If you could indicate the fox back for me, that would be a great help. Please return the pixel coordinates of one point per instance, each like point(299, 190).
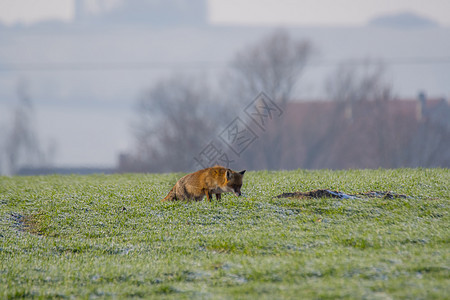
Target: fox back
point(215, 180)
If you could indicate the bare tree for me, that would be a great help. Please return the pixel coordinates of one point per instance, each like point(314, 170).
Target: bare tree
point(179, 116)
point(22, 144)
point(355, 83)
point(431, 141)
point(175, 118)
point(361, 132)
point(369, 128)
point(272, 65)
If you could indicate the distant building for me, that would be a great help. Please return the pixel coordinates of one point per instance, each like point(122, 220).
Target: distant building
point(80, 11)
point(369, 134)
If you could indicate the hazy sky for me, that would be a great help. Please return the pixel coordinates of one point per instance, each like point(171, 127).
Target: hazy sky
point(29, 11)
point(302, 12)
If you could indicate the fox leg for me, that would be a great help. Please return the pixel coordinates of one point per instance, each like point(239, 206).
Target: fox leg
point(218, 196)
point(208, 196)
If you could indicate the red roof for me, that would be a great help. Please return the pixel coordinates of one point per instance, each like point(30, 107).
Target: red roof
point(362, 135)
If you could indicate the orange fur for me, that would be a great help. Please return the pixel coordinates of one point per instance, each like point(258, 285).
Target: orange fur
point(215, 180)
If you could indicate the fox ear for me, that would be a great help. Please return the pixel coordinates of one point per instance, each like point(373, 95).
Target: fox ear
point(228, 174)
point(242, 172)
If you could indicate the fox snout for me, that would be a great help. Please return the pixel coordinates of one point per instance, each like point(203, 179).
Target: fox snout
point(236, 191)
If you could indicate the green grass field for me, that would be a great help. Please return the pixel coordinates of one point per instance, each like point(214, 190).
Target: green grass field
point(111, 237)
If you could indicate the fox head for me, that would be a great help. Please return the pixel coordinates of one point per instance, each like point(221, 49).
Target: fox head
point(234, 181)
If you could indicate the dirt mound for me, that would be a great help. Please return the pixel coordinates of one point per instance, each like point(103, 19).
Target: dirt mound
point(24, 223)
point(340, 195)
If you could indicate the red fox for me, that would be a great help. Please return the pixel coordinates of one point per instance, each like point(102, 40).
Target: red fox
point(206, 182)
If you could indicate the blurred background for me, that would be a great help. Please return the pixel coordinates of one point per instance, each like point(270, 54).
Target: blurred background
point(103, 86)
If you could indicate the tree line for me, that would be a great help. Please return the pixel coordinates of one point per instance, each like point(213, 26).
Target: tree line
point(181, 118)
